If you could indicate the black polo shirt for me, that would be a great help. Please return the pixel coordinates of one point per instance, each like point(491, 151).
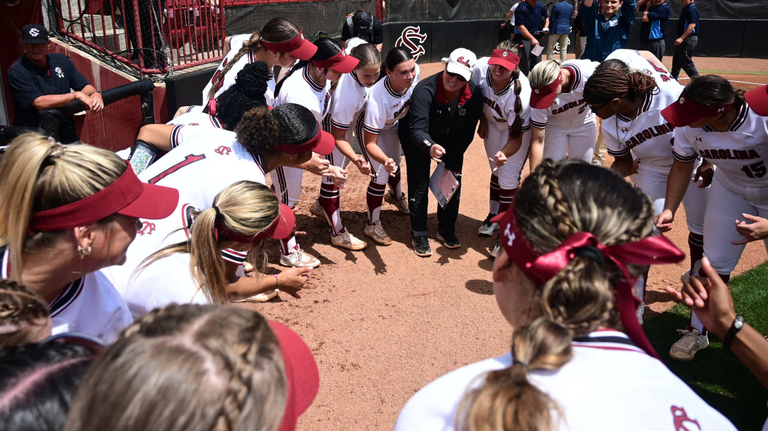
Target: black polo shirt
point(375, 33)
point(29, 81)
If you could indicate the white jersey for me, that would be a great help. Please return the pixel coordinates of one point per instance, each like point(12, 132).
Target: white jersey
point(608, 385)
point(301, 89)
point(349, 99)
point(740, 154)
point(190, 125)
point(648, 136)
point(385, 107)
point(235, 43)
point(499, 107)
point(200, 170)
point(89, 305)
point(569, 108)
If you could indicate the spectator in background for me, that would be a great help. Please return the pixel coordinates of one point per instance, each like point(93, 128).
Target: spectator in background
point(687, 38)
point(579, 37)
point(608, 31)
point(511, 17)
point(40, 80)
point(531, 23)
point(654, 26)
point(560, 20)
point(362, 24)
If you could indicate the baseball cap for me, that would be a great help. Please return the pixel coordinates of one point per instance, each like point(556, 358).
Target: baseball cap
point(34, 34)
point(298, 47)
point(758, 100)
point(363, 21)
point(302, 376)
point(280, 228)
point(685, 111)
point(127, 195)
point(542, 97)
point(461, 62)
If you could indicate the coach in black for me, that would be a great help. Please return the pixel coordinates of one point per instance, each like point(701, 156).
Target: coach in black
point(687, 38)
point(362, 24)
point(40, 80)
point(440, 124)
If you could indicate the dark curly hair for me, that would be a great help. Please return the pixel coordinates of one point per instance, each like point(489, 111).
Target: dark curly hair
point(290, 124)
point(246, 93)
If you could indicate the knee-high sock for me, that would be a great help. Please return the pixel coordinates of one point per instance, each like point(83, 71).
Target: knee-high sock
point(288, 244)
point(394, 184)
point(329, 201)
point(505, 198)
point(494, 207)
point(374, 196)
point(696, 248)
point(695, 323)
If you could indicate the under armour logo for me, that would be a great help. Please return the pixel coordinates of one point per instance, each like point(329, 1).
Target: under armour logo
point(682, 100)
point(223, 150)
point(698, 139)
point(537, 91)
point(463, 61)
point(193, 124)
point(681, 417)
point(147, 228)
point(721, 109)
point(59, 72)
point(510, 236)
point(624, 130)
point(34, 32)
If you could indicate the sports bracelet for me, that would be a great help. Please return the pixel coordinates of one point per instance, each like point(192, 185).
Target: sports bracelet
point(275, 280)
point(738, 323)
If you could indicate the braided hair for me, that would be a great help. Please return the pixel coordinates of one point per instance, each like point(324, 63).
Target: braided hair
point(608, 84)
point(247, 93)
point(22, 315)
point(516, 129)
point(186, 368)
point(556, 201)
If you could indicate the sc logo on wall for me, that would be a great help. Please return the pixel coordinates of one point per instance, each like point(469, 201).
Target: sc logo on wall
point(412, 38)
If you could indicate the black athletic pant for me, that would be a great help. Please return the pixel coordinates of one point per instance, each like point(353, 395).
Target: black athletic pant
point(682, 57)
point(419, 165)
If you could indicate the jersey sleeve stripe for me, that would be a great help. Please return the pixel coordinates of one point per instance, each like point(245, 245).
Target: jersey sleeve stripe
point(684, 159)
point(538, 125)
point(619, 153)
point(175, 135)
point(338, 125)
point(372, 130)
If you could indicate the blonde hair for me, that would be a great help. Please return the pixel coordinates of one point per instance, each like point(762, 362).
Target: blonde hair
point(516, 129)
point(22, 313)
point(186, 367)
point(246, 208)
point(38, 174)
point(556, 201)
point(544, 73)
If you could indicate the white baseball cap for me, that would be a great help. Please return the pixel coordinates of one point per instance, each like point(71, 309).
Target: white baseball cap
point(461, 62)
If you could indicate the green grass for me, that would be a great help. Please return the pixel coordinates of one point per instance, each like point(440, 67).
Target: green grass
point(716, 374)
point(733, 72)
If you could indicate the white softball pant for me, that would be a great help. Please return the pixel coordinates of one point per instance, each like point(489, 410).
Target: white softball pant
point(719, 223)
point(390, 145)
point(574, 141)
point(509, 174)
point(695, 200)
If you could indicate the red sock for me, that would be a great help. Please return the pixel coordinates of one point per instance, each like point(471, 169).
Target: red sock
point(374, 196)
point(329, 201)
point(505, 198)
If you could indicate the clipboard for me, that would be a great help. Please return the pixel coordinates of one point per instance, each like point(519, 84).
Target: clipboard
point(443, 184)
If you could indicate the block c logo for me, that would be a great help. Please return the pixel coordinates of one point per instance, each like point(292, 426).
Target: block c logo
point(412, 38)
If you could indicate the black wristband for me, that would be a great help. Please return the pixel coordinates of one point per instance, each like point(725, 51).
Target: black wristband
point(738, 323)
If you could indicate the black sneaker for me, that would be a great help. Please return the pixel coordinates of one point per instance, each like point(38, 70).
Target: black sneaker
point(421, 246)
point(449, 240)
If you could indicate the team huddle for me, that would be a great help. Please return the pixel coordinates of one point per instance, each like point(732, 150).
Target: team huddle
point(279, 105)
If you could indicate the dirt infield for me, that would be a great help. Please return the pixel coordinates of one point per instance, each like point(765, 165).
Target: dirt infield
point(383, 322)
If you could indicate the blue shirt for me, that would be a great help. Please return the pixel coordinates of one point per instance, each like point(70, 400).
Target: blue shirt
point(29, 81)
point(560, 20)
point(530, 16)
point(606, 35)
point(689, 15)
point(656, 26)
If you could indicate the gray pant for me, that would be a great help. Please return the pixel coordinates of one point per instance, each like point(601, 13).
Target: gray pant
point(682, 57)
point(657, 47)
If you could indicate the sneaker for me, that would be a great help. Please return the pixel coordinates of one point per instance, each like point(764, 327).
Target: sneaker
point(377, 233)
point(421, 246)
point(487, 228)
point(401, 204)
point(640, 311)
point(496, 249)
point(297, 258)
point(686, 347)
point(449, 240)
point(317, 210)
point(597, 162)
point(348, 241)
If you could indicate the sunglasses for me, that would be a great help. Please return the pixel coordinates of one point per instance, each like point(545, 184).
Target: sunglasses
point(596, 108)
point(456, 75)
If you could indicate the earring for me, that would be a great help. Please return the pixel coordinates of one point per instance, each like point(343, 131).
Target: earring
point(84, 251)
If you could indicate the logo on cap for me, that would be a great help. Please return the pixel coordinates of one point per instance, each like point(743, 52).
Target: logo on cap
point(682, 100)
point(463, 61)
point(721, 109)
point(509, 235)
point(34, 32)
point(504, 54)
point(537, 91)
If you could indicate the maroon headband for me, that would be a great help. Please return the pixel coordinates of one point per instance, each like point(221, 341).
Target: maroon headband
point(540, 268)
point(116, 196)
point(291, 45)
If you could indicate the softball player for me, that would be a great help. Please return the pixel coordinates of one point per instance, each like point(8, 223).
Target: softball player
point(505, 127)
point(388, 103)
point(729, 129)
point(279, 43)
point(308, 84)
point(630, 103)
point(551, 285)
point(347, 105)
point(557, 104)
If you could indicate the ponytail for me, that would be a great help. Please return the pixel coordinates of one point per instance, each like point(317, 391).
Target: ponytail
point(252, 45)
point(516, 129)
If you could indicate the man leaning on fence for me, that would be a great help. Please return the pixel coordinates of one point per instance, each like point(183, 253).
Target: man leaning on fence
point(40, 80)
